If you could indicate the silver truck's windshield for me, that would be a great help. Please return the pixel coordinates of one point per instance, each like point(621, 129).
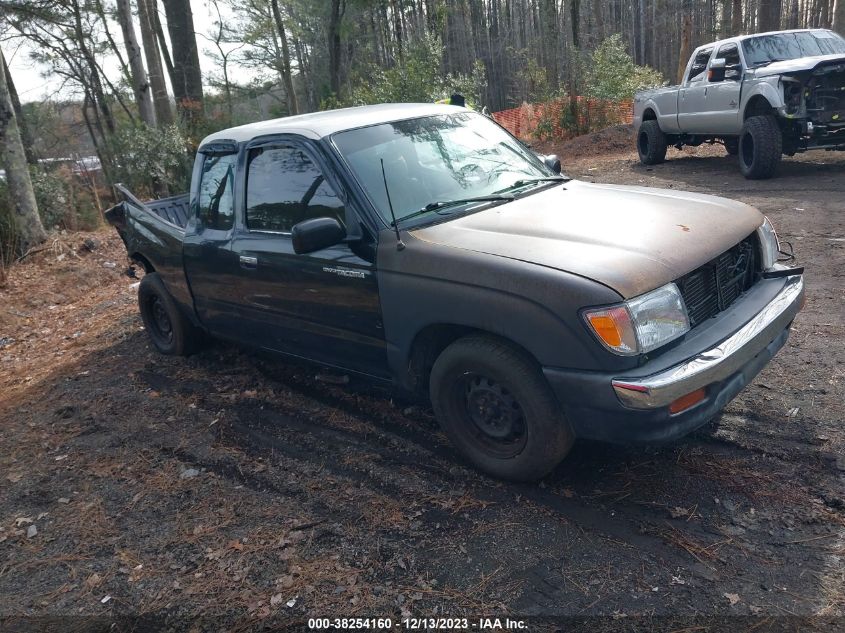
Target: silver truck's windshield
point(437, 158)
point(766, 49)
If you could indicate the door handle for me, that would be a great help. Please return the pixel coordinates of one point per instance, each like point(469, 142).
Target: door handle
point(248, 262)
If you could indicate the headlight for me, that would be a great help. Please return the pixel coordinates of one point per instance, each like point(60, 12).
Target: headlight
point(769, 244)
point(641, 324)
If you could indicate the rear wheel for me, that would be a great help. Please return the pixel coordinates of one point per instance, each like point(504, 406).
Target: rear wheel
point(497, 409)
point(732, 145)
point(760, 147)
point(169, 330)
point(651, 143)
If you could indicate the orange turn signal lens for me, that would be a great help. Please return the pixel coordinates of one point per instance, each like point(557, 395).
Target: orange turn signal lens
point(613, 326)
point(685, 402)
point(606, 328)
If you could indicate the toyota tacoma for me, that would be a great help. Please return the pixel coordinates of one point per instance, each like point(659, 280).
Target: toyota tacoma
point(426, 247)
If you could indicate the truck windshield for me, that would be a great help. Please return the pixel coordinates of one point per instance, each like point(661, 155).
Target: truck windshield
point(766, 49)
point(437, 158)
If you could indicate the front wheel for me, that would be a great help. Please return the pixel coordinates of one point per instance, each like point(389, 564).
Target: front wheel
point(760, 147)
point(651, 143)
point(497, 409)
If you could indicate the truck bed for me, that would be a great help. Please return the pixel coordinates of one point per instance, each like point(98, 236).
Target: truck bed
point(153, 233)
point(173, 210)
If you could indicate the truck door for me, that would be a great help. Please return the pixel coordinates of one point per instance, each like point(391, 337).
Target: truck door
point(207, 257)
point(692, 95)
point(324, 305)
point(723, 91)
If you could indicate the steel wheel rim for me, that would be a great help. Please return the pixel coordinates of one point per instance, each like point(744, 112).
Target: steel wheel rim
point(490, 415)
point(161, 324)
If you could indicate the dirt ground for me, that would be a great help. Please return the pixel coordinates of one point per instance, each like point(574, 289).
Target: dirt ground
point(228, 491)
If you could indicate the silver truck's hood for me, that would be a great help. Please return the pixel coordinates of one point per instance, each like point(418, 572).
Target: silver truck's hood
point(797, 65)
point(632, 239)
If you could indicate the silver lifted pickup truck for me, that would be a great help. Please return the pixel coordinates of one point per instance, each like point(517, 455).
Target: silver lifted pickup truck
point(762, 96)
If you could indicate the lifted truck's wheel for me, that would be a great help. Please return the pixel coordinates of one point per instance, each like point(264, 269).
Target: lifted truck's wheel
point(732, 145)
point(651, 143)
point(494, 404)
point(169, 330)
point(760, 147)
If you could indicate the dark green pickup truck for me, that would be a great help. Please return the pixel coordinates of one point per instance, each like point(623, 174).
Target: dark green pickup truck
point(424, 246)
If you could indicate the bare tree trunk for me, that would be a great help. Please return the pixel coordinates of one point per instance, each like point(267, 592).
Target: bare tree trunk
point(839, 17)
point(140, 85)
point(686, 48)
point(293, 104)
point(152, 53)
point(736, 18)
point(769, 15)
point(187, 87)
point(30, 231)
point(26, 136)
point(338, 8)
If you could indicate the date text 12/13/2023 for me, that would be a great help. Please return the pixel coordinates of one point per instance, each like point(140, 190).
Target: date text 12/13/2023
point(417, 624)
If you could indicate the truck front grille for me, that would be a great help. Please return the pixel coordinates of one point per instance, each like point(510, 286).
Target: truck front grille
point(710, 289)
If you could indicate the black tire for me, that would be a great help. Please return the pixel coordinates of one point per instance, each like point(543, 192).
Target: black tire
point(497, 409)
point(651, 143)
point(760, 147)
point(732, 145)
point(169, 330)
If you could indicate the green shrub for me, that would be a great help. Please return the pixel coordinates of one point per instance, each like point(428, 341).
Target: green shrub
point(613, 75)
point(150, 160)
point(417, 79)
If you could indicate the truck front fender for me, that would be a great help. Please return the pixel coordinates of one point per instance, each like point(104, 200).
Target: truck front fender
point(426, 287)
point(761, 97)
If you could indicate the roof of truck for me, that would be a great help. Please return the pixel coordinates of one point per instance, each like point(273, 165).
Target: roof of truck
point(320, 124)
point(740, 38)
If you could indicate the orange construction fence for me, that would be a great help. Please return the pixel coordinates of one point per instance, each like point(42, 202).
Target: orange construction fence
point(562, 119)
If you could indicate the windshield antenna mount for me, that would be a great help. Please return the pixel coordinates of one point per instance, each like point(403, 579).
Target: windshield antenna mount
point(400, 245)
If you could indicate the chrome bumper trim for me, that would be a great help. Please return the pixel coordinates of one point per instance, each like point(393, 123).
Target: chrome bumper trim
point(659, 390)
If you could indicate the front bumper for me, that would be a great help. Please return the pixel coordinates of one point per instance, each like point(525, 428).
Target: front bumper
point(634, 406)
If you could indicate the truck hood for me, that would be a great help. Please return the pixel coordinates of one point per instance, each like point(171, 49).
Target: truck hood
point(631, 239)
point(798, 65)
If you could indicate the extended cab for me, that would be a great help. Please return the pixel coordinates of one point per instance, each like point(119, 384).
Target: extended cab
point(761, 95)
point(424, 246)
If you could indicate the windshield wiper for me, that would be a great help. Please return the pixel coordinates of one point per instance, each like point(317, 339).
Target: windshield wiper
point(442, 204)
point(531, 181)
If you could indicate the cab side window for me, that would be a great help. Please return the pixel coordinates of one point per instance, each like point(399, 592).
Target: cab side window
point(733, 64)
point(699, 64)
point(216, 196)
point(285, 187)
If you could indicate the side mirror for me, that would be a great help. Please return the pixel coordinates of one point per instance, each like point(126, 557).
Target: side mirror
point(316, 234)
point(552, 162)
point(717, 70)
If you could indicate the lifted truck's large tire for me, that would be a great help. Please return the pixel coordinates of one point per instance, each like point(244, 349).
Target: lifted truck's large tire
point(497, 409)
point(760, 147)
point(651, 143)
point(732, 145)
point(169, 330)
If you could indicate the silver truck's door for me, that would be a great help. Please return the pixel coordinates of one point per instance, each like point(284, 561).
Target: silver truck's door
point(724, 85)
point(692, 95)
